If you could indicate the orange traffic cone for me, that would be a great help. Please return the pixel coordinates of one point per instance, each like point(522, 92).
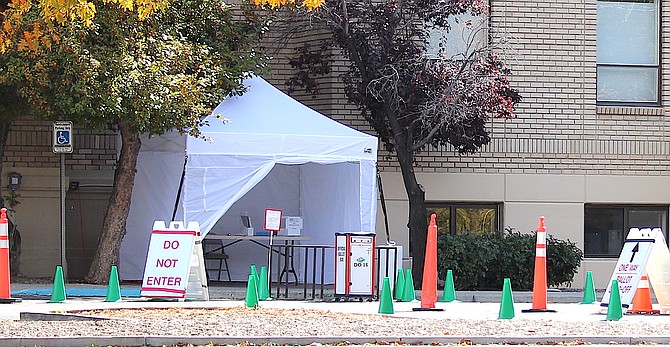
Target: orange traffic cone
point(429, 283)
point(642, 298)
point(5, 291)
point(540, 276)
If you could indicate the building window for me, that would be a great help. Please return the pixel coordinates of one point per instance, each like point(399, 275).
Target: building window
point(472, 217)
point(627, 52)
point(466, 34)
point(606, 226)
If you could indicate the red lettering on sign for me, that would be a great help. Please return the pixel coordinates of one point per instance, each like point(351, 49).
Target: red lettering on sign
point(166, 262)
point(167, 244)
point(623, 267)
point(163, 281)
point(633, 267)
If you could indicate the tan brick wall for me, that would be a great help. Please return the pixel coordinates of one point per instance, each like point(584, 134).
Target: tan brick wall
point(29, 144)
point(559, 128)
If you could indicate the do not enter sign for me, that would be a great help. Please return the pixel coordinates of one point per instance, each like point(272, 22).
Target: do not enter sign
point(168, 261)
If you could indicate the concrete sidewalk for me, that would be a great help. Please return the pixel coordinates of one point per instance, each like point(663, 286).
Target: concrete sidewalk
point(470, 305)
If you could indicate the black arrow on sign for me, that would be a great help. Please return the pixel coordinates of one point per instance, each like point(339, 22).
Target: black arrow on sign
point(635, 250)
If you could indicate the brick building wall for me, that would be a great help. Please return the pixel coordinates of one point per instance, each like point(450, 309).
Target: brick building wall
point(558, 128)
point(29, 144)
point(551, 49)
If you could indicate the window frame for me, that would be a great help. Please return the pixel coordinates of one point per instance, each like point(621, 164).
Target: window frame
point(485, 34)
point(496, 206)
point(626, 208)
point(657, 66)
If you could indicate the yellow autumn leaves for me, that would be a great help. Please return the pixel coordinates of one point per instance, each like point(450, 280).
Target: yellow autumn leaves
point(309, 4)
point(58, 12)
point(62, 11)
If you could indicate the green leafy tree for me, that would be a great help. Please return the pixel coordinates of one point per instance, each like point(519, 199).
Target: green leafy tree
point(134, 73)
point(414, 100)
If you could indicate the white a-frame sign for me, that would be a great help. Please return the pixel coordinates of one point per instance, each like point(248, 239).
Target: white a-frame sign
point(644, 251)
point(175, 265)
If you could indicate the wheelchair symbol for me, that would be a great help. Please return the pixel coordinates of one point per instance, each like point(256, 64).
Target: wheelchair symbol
point(62, 137)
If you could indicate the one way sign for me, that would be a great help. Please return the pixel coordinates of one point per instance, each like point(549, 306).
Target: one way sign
point(632, 264)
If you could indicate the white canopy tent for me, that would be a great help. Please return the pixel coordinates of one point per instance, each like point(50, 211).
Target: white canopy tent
point(274, 153)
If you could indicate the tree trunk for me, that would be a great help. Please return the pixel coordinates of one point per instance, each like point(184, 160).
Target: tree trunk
point(114, 224)
point(417, 223)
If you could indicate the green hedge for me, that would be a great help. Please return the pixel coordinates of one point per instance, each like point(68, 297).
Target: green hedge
point(482, 261)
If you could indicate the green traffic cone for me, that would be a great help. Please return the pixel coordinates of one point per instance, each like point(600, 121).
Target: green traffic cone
point(58, 291)
point(408, 292)
point(113, 289)
point(254, 272)
point(251, 298)
point(449, 293)
point(614, 311)
point(386, 301)
point(589, 290)
point(263, 288)
point(507, 301)
point(399, 284)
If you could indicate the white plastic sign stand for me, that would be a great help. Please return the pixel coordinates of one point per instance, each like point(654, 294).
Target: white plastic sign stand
point(273, 225)
point(197, 276)
point(644, 251)
point(175, 266)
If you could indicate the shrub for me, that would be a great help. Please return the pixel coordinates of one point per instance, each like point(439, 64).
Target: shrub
point(482, 261)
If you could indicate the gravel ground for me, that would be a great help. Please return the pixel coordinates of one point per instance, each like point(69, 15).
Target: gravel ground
point(240, 321)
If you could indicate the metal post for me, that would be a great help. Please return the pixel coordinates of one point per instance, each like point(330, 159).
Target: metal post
point(62, 215)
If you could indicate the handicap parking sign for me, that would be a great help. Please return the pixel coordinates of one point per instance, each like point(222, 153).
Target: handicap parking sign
point(62, 137)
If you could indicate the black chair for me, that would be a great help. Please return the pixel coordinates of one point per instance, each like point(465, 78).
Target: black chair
point(213, 250)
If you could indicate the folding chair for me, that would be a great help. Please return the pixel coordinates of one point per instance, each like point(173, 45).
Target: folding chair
point(213, 250)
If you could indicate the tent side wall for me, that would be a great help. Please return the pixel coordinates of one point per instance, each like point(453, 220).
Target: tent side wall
point(154, 195)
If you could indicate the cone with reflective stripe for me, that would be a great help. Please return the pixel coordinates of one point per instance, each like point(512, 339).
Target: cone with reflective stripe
point(5, 290)
point(540, 276)
point(449, 293)
point(589, 290)
point(614, 310)
point(429, 281)
point(385, 300)
point(642, 299)
point(399, 284)
point(58, 289)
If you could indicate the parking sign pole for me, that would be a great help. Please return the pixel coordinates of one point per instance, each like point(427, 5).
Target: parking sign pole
point(63, 259)
point(62, 144)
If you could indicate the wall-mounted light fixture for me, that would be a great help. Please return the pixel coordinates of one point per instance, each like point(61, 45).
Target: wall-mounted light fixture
point(14, 180)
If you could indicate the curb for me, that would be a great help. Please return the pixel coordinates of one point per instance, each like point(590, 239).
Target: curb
point(307, 340)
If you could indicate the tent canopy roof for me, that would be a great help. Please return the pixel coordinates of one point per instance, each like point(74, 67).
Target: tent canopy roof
point(266, 122)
